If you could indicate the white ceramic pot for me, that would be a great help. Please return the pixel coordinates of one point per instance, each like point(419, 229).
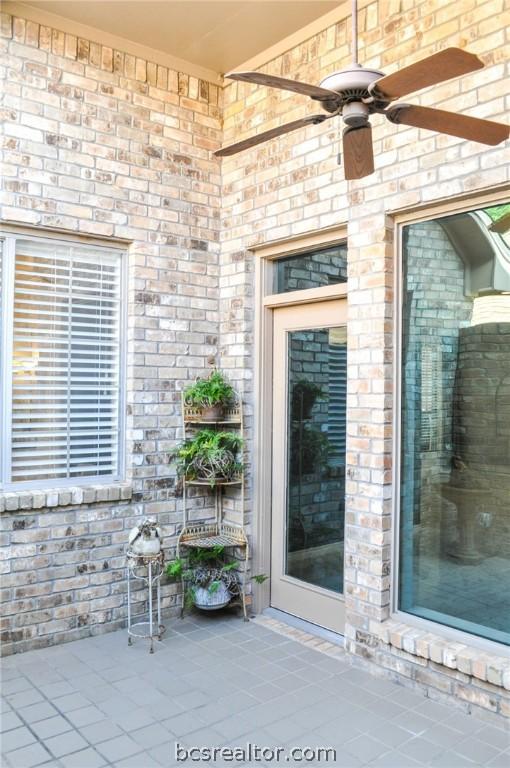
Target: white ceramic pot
point(211, 601)
point(145, 538)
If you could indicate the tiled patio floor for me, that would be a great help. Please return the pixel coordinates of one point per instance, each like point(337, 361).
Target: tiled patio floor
point(211, 681)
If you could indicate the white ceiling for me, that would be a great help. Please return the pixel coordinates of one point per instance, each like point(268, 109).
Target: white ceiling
point(216, 34)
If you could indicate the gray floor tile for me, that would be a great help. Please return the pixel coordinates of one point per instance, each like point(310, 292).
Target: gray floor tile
point(35, 712)
point(100, 731)
point(85, 758)
point(70, 702)
point(143, 760)
point(266, 691)
point(233, 727)
point(15, 685)
point(8, 721)
point(136, 718)
point(495, 737)
point(412, 722)
point(30, 756)
point(451, 759)
point(119, 748)
point(218, 682)
point(151, 735)
point(51, 727)
point(365, 748)
point(390, 734)
point(464, 723)
point(17, 738)
point(24, 698)
point(476, 750)
point(65, 743)
point(85, 716)
point(165, 754)
point(53, 690)
point(443, 735)
point(394, 759)
point(421, 749)
point(500, 761)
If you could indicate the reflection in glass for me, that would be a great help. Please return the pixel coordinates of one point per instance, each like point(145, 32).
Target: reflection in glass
point(455, 478)
point(313, 269)
point(316, 456)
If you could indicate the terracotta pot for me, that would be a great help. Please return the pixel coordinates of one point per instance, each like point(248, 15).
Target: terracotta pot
point(212, 413)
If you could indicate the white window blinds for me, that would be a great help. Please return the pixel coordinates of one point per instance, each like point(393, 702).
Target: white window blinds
point(65, 363)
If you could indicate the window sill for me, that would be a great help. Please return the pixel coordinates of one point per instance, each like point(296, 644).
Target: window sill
point(417, 641)
point(14, 501)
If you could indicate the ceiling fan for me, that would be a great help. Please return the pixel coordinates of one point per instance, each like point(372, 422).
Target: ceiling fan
point(357, 92)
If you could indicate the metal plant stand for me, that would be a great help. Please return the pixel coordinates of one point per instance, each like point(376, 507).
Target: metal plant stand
point(221, 532)
point(147, 569)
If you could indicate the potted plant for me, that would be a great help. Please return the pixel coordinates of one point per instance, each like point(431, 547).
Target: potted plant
point(304, 395)
point(211, 581)
point(209, 456)
point(210, 395)
point(309, 450)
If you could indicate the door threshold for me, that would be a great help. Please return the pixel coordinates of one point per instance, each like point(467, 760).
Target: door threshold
point(305, 626)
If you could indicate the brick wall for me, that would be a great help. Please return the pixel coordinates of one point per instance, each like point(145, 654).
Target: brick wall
point(98, 142)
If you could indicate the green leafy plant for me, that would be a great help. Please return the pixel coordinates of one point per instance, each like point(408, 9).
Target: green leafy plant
point(211, 391)
point(207, 568)
point(304, 396)
point(309, 450)
point(210, 455)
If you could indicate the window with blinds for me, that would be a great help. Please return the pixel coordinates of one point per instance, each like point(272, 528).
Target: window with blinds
point(62, 362)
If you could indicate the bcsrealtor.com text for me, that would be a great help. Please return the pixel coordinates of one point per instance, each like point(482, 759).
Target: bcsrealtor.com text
point(254, 753)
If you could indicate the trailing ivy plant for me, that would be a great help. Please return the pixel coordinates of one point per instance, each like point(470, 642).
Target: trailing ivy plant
point(213, 390)
point(210, 455)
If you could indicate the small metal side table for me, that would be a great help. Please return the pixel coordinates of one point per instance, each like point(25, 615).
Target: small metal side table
point(148, 569)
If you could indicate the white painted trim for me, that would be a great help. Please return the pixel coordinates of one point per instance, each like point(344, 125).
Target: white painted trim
point(288, 246)
point(448, 206)
point(62, 235)
point(307, 296)
point(71, 27)
point(262, 440)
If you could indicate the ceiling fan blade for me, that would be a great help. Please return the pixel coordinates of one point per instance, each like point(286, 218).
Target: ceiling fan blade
point(501, 225)
point(441, 66)
point(271, 134)
point(272, 81)
point(358, 152)
point(462, 126)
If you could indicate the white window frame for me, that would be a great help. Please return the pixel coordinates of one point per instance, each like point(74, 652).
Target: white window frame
point(8, 239)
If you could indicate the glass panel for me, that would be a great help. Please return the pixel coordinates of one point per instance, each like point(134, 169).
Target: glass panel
point(455, 478)
point(316, 456)
point(311, 270)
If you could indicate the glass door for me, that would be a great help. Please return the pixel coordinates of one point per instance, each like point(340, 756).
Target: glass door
point(309, 431)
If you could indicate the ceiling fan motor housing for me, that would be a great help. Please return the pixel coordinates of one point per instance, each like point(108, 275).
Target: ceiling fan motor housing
point(351, 84)
point(355, 114)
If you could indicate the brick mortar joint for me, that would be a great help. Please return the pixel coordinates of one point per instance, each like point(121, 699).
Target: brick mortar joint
point(456, 656)
point(26, 500)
